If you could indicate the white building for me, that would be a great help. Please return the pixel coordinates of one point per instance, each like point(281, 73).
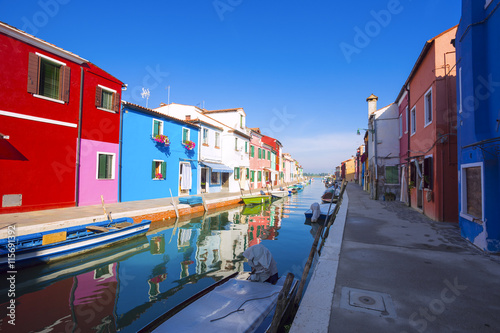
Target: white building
point(383, 148)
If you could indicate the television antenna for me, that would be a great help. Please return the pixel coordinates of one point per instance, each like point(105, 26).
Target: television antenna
point(145, 94)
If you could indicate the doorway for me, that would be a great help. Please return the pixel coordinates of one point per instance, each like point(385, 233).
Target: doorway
point(203, 180)
point(225, 181)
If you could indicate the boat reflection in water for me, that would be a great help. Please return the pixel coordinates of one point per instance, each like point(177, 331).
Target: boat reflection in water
point(126, 286)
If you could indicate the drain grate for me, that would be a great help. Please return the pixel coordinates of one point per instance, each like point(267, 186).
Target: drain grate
point(376, 303)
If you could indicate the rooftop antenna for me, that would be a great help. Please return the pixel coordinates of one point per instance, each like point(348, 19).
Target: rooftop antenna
point(145, 94)
point(168, 94)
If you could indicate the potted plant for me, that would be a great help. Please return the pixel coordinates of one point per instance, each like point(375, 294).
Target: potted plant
point(189, 145)
point(162, 140)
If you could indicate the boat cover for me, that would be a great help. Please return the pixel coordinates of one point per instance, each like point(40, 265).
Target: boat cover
point(262, 262)
point(220, 302)
point(316, 212)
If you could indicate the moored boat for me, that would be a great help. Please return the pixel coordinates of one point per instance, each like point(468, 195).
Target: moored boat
point(233, 304)
point(255, 199)
point(279, 193)
point(60, 243)
point(325, 211)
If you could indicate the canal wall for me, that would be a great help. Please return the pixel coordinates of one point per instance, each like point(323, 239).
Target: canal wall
point(314, 311)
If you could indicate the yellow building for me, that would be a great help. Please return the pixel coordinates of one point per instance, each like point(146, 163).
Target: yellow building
point(350, 169)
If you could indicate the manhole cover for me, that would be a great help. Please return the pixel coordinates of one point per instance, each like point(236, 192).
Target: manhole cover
point(367, 301)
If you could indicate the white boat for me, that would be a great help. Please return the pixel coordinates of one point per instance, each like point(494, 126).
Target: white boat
point(279, 194)
point(326, 210)
point(232, 305)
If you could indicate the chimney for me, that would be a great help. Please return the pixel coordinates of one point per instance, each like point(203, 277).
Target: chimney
point(372, 104)
point(162, 104)
point(188, 117)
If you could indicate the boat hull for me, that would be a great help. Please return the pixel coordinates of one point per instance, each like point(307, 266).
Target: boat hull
point(38, 253)
point(255, 199)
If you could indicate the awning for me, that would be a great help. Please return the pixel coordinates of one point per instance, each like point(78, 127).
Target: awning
point(217, 167)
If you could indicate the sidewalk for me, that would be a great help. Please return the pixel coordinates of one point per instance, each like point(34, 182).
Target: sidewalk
point(154, 209)
point(402, 272)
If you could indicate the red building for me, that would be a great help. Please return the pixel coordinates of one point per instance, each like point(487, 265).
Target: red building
point(276, 174)
point(57, 112)
point(427, 119)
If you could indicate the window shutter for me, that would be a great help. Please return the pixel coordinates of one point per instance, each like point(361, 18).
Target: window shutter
point(33, 65)
point(116, 102)
point(98, 96)
point(153, 170)
point(164, 169)
point(102, 166)
point(65, 83)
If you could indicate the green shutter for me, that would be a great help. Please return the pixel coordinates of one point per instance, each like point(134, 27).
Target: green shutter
point(153, 170)
point(259, 176)
point(164, 169)
point(156, 128)
point(248, 171)
point(236, 173)
point(102, 167)
point(252, 176)
point(246, 147)
point(252, 151)
point(269, 155)
point(260, 154)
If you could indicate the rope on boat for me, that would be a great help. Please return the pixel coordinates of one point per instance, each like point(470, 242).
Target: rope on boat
point(240, 309)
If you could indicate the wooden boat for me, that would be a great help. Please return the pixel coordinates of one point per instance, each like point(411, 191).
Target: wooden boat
point(219, 307)
point(279, 194)
point(329, 197)
point(256, 199)
point(326, 211)
point(56, 244)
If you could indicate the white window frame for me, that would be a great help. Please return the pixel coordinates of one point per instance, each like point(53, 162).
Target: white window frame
point(205, 138)
point(400, 126)
point(463, 194)
point(57, 62)
point(426, 108)
point(413, 123)
point(407, 115)
point(112, 168)
point(112, 91)
point(218, 178)
point(217, 140)
point(161, 161)
point(188, 136)
point(153, 127)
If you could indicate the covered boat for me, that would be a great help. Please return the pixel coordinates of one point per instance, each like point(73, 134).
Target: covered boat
point(325, 210)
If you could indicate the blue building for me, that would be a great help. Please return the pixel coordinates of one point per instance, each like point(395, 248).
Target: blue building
point(159, 154)
point(478, 100)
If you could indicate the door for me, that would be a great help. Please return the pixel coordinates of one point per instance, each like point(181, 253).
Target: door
point(225, 181)
point(419, 186)
point(203, 180)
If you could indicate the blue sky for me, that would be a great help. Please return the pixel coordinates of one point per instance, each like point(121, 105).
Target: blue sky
point(301, 70)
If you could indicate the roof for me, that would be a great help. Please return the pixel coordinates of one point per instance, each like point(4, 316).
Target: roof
point(420, 58)
point(224, 110)
point(156, 113)
point(35, 41)
point(198, 120)
point(239, 133)
point(372, 96)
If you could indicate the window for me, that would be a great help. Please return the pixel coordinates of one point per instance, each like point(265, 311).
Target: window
point(248, 173)
point(259, 176)
point(48, 78)
point(158, 170)
point(105, 166)
point(413, 121)
point(217, 140)
point(428, 107)
point(400, 125)
point(252, 151)
point(268, 155)
point(235, 143)
point(391, 175)
point(107, 99)
point(185, 134)
point(260, 153)
point(205, 136)
point(246, 147)
point(428, 173)
point(407, 116)
point(241, 121)
point(214, 178)
point(252, 176)
point(236, 173)
point(472, 191)
point(157, 127)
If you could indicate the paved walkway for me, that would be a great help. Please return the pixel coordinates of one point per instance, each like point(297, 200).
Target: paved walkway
point(42, 220)
point(395, 270)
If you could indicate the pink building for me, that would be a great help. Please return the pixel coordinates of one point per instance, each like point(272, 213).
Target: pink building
point(427, 118)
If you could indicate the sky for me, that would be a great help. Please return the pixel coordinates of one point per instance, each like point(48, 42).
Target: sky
point(302, 70)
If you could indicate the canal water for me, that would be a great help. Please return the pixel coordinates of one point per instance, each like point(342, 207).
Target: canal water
point(126, 286)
